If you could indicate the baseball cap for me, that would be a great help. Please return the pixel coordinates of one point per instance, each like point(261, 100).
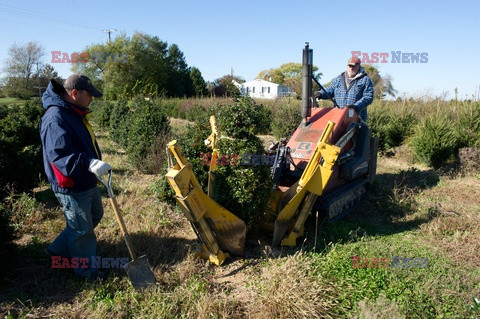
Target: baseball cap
point(81, 82)
point(353, 61)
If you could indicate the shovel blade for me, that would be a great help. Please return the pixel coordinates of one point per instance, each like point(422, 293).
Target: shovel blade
point(140, 274)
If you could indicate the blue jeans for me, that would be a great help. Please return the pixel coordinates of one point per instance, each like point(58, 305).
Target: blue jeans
point(83, 211)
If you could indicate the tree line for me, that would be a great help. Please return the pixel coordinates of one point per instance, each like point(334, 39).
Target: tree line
point(141, 64)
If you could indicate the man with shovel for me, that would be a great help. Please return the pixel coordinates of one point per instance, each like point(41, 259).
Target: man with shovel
point(72, 162)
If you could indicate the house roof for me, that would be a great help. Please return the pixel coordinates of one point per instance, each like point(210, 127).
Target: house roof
point(260, 81)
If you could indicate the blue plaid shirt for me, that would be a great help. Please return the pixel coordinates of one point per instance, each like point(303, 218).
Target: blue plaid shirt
point(360, 93)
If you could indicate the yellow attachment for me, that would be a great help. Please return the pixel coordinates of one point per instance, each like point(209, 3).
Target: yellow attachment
point(212, 138)
point(221, 232)
point(314, 179)
point(212, 143)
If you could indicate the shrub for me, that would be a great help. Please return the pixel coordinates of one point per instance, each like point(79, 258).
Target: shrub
point(193, 146)
point(195, 113)
point(242, 188)
point(21, 163)
point(390, 125)
point(161, 189)
point(286, 119)
point(171, 107)
point(468, 125)
point(434, 141)
point(101, 112)
point(244, 117)
point(120, 122)
point(147, 135)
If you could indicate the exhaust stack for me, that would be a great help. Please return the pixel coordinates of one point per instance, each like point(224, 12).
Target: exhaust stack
point(307, 87)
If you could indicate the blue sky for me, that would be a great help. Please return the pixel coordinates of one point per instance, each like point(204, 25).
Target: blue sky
point(250, 36)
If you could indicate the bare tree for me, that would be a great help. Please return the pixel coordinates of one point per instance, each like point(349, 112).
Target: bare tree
point(382, 86)
point(23, 62)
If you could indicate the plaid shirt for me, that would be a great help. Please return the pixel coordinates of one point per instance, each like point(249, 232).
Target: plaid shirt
point(360, 93)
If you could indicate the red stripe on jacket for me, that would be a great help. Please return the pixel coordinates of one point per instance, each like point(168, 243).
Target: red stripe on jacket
point(63, 181)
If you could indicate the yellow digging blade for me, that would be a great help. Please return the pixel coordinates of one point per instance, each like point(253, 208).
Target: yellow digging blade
point(304, 193)
point(221, 232)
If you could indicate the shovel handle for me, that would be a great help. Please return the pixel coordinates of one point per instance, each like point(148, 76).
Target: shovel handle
point(118, 216)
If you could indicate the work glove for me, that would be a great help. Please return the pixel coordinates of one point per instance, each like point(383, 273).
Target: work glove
point(351, 110)
point(99, 168)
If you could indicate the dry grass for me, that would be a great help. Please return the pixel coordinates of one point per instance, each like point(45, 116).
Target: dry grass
point(455, 225)
point(178, 125)
point(382, 308)
point(286, 288)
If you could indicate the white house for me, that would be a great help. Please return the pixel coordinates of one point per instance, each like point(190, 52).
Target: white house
point(264, 89)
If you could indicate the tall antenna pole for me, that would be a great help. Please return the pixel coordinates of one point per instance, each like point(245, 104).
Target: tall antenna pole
point(109, 31)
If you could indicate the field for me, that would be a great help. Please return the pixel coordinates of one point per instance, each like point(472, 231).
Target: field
point(11, 101)
point(411, 212)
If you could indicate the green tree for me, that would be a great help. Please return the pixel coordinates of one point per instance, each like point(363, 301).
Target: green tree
point(180, 83)
point(289, 74)
point(199, 85)
point(41, 80)
point(22, 63)
point(141, 64)
point(225, 86)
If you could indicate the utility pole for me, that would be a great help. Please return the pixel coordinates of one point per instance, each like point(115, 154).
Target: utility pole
point(38, 81)
point(109, 31)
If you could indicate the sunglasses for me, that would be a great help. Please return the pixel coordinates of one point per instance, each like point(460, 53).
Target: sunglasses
point(353, 65)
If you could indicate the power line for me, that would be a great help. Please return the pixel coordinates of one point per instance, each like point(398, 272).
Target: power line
point(45, 27)
point(48, 17)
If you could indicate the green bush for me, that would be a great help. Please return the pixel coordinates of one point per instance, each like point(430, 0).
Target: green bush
point(195, 113)
point(101, 112)
point(244, 117)
point(242, 189)
point(392, 127)
point(286, 119)
point(468, 125)
point(120, 122)
point(172, 107)
point(243, 185)
point(434, 141)
point(21, 165)
point(147, 136)
point(193, 148)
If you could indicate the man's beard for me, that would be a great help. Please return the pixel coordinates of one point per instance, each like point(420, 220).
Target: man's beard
point(351, 74)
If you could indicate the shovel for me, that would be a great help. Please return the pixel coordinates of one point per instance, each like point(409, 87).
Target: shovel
point(138, 270)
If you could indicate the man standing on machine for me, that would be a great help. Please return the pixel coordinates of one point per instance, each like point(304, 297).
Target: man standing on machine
point(352, 89)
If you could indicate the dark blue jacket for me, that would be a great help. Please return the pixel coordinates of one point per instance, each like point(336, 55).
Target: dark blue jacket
point(68, 146)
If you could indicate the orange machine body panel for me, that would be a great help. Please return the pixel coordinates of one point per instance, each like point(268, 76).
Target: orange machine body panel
point(303, 142)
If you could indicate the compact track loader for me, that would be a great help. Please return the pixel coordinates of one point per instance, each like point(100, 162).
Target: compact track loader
point(324, 166)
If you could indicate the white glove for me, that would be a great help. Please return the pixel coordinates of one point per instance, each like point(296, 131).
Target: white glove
point(99, 168)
